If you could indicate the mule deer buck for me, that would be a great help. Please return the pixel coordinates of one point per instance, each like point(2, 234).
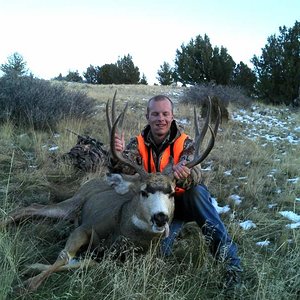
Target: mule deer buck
point(138, 207)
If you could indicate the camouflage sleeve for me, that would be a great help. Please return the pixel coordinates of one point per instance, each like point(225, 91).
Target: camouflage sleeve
point(131, 152)
point(188, 154)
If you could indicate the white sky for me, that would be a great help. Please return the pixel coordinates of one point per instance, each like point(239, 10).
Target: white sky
point(55, 36)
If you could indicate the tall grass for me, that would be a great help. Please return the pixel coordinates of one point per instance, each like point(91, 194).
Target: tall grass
point(259, 174)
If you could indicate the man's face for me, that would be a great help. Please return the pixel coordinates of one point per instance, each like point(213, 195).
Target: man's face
point(160, 117)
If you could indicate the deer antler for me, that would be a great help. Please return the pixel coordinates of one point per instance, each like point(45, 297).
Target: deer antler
point(118, 155)
point(111, 120)
point(112, 124)
point(200, 136)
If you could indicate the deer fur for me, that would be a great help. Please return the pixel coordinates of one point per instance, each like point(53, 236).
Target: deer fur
point(107, 209)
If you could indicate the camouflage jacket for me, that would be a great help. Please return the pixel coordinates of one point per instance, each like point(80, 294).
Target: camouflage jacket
point(132, 153)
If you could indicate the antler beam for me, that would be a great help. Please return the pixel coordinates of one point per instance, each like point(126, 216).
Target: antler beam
point(200, 136)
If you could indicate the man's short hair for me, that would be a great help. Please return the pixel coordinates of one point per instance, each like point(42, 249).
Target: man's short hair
point(159, 98)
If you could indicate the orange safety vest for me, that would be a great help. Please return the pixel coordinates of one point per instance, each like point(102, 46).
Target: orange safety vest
point(176, 148)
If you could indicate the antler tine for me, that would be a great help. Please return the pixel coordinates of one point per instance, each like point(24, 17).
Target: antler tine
point(198, 159)
point(113, 108)
point(118, 155)
point(199, 137)
point(111, 120)
point(122, 118)
point(197, 133)
point(108, 120)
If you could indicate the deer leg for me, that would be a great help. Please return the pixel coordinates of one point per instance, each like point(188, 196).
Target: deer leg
point(66, 209)
point(37, 267)
point(78, 238)
point(33, 210)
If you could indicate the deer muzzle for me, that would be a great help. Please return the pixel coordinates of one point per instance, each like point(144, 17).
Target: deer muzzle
point(160, 223)
point(160, 219)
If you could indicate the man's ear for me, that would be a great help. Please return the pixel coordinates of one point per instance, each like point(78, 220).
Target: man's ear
point(147, 116)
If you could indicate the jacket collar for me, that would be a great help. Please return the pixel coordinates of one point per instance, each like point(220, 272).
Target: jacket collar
point(173, 134)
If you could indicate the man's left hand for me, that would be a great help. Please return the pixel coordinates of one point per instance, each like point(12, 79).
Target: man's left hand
point(181, 171)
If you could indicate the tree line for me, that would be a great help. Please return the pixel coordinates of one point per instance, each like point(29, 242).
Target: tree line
point(275, 77)
point(123, 71)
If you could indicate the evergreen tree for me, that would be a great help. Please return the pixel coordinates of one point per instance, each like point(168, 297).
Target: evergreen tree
point(278, 68)
point(222, 66)
point(244, 77)
point(198, 62)
point(73, 76)
point(59, 77)
point(92, 74)
point(143, 80)
point(15, 66)
point(165, 74)
point(193, 63)
point(109, 74)
point(128, 72)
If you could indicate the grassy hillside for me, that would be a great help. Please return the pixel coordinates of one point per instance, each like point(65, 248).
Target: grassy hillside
point(253, 171)
point(126, 92)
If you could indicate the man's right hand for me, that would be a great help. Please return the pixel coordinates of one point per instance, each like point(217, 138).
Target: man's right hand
point(120, 142)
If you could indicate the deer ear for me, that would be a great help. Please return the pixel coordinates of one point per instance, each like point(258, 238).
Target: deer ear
point(168, 170)
point(122, 184)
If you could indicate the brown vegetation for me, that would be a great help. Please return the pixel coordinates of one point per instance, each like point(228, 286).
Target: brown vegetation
point(264, 173)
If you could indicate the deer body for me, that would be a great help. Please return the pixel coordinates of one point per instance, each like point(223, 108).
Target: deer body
point(140, 213)
point(109, 214)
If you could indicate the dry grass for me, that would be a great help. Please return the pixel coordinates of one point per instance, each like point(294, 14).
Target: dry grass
point(126, 92)
point(28, 169)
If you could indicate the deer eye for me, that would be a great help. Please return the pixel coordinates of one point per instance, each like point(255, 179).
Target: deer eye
point(144, 193)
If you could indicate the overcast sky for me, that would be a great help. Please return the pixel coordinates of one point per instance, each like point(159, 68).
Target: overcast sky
point(58, 36)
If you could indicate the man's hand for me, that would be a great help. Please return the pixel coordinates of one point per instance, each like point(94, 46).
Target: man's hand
point(181, 171)
point(120, 142)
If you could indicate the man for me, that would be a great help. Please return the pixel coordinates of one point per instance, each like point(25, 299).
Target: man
point(162, 136)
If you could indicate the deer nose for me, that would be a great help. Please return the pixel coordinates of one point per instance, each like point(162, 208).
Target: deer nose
point(160, 219)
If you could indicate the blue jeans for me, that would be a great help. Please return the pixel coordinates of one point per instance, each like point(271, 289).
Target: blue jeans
point(196, 205)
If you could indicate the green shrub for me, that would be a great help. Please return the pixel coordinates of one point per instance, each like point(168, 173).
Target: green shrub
point(27, 101)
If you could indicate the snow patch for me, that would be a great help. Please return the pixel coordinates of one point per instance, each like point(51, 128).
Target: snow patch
point(246, 225)
point(219, 209)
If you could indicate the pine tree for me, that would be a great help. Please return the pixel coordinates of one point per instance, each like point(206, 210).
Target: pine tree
point(128, 72)
point(15, 66)
point(244, 77)
point(165, 74)
point(278, 68)
point(73, 76)
point(198, 62)
point(92, 74)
